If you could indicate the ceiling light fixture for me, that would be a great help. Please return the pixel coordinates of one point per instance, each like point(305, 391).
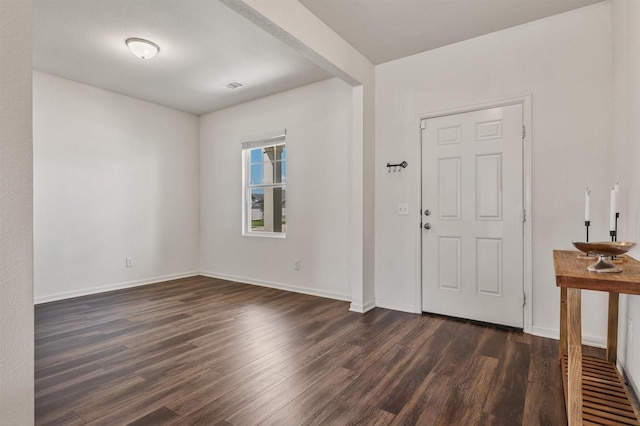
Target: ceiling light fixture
point(143, 49)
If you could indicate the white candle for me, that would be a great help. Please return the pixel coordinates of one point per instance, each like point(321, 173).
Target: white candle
point(616, 188)
point(612, 213)
point(587, 205)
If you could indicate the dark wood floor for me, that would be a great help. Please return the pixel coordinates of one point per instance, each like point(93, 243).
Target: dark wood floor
point(211, 352)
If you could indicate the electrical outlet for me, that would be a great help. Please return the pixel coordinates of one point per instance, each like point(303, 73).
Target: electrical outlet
point(128, 262)
point(402, 209)
point(296, 264)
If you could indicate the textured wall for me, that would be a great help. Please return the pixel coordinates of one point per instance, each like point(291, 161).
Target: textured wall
point(317, 118)
point(114, 177)
point(16, 222)
point(626, 165)
point(564, 63)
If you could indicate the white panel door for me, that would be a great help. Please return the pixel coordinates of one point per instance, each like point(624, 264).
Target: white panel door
point(472, 188)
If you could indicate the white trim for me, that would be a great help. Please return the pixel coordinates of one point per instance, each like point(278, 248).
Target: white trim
point(526, 102)
point(247, 147)
point(264, 234)
point(361, 309)
point(418, 239)
point(279, 286)
point(553, 333)
point(381, 303)
point(524, 98)
point(527, 111)
point(598, 342)
point(271, 138)
point(242, 280)
point(110, 287)
point(631, 385)
point(355, 205)
point(550, 333)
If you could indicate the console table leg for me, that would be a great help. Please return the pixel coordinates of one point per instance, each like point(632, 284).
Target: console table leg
point(563, 322)
point(612, 328)
point(574, 373)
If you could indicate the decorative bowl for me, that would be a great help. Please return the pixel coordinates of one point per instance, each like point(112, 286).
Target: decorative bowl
point(604, 249)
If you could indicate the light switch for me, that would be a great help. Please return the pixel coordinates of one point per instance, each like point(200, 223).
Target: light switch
point(402, 209)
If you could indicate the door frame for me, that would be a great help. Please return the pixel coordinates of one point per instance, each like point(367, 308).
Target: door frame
point(525, 101)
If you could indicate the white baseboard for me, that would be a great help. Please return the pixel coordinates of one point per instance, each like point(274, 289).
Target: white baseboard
point(628, 378)
point(632, 385)
point(381, 303)
point(553, 333)
point(111, 287)
point(550, 333)
point(361, 309)
point(279, 286)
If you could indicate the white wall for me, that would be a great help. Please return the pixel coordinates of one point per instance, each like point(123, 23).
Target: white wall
point(16, 220)
point(564, 63)
point(626, 163)
point(293, 24)
point(114, 177)
point(317, 118)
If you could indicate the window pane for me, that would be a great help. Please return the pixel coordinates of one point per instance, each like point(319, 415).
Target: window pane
point(268, 210)
point(284, 210)
point(257, 210)
point(266, 168)
point(268, 165)
point(279, 169)
point(283, 162)
point(257, 167)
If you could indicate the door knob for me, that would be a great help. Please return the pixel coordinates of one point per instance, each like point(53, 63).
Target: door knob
point(427, 226)
point(427, 212)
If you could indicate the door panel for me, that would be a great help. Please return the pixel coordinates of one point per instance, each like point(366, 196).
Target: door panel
point(472, 256)
point(449, 261)
point(489, 187)
point(449, 188)
point(489, 266)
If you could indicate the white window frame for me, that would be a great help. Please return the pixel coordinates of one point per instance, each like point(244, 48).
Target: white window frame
point(275, 139)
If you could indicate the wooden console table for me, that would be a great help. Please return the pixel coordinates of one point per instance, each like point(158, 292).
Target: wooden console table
point(594, 391)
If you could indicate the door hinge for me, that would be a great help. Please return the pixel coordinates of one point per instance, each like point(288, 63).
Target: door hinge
point(524, 298)
point(423, 124)
point(524, 131)
point(524, 215)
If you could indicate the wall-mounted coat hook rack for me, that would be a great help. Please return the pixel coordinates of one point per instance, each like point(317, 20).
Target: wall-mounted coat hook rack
point(396, 167)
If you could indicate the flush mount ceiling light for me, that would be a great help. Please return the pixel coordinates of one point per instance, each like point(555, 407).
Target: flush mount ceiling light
point(143, 49)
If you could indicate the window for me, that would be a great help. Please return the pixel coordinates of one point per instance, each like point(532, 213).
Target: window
point(265, 187)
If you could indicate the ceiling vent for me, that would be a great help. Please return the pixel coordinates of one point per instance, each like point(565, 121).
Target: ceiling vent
point(233, 85)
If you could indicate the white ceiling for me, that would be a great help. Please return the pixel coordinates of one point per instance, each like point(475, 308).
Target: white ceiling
point(204, 45)
point(384, 30)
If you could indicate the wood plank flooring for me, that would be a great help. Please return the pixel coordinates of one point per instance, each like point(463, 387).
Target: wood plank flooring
point(202, 351)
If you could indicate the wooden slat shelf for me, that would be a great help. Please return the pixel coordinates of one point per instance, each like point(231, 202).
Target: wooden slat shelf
point(605, 398)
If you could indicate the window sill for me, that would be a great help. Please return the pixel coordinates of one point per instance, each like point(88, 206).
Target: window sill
point(279, 235)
